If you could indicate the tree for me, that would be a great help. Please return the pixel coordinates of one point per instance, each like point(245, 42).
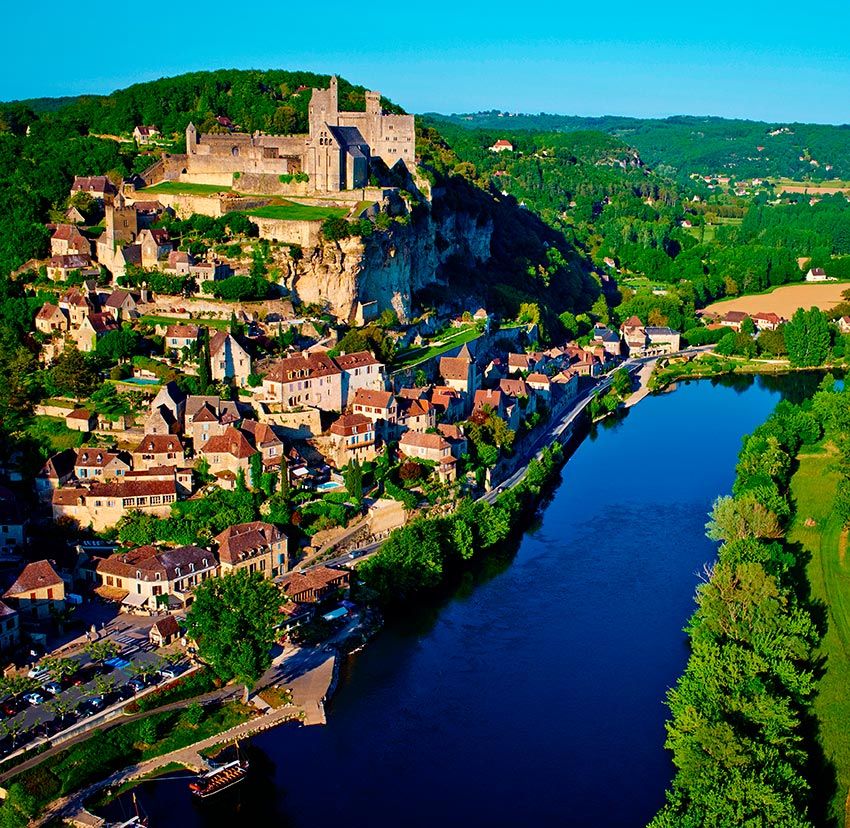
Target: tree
point(234, 619)
point(256, 469)
point(102, 650)
point(119, 345)
point(353, 477)
point(622, 383)
point(204, 365)
point(73, 373)
point(60, 668)
point(807, 338)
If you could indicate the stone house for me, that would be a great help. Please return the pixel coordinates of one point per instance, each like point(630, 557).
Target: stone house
point(449, 403)
point(60, 267)
point(10, 627)
point(121, 305)
point(228, 359)
point(166, 412)
point(433, 447)
point(81, 419)
point(104, 504)
point(143, 134)
point(151, 576)
point(227, 454)
point(157, 450)
point(179, 262)
point(314, 585)
point(843, 323)
point(100, 465)
point(164, 631)
point(461, 373)
point(415, 415)
point(352, 437)
point(51, 320)
point(178, 337)
point(208, 416)
point(38, 592)
point(304, 380)
point(768, 321)
point(733, 320)
point(455, 437)
point(98, 186)
point(93, 327)
point(56, 472)
point(360, 370)
point(67, 240)
point(256, 546)
point(155, 246)
point(541, 385)
point(76, 305)
point(381, 407)
point(263, 438)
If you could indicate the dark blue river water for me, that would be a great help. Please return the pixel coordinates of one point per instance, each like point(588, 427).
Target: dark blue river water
point(533, 694)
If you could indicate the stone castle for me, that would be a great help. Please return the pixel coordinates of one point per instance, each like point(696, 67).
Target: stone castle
point(335, 154)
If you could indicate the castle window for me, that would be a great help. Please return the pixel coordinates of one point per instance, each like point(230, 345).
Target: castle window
point(234, 151)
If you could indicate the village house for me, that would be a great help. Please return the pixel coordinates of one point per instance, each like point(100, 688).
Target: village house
point(144, 134)
point(541, 385)
point(454, 436)
point(121, 305)
point(164, 631)
point(155, 246)
point(98, 186)
point(38, 592)
point(415, 415)
point(633, 333)
point(208, 416)
point(843, 323)
point(360, 370)
point(304, 380)
point(56, 472)
point(153, 578)
point(228, 454)
point(156, 450)
point(92, 328)
point(733, 320)
point(608, 340)
point(104, 504)
point(432, 447)
point(352, 437)
point(314, 585)
point(76, 305)
point(448, 402)
point(81, 419)
point(100, 464)
point(381, 407)
point(59, 268)
point(255, 547)
point(13, 524)
point(51, 320)
point(502, 145)
point(264, 439)
point(68, 240)
point(203, 272)
point(179, 337)
point(179, 262)
point(10, 627)
point(228, 359)
point(460, 373)
point(662, 339)
point(166, 411)
point(818, 274)
point(767, 321)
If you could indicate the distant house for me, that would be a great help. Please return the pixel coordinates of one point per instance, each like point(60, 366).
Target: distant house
point(179, 262)
point(144, 134)
point(633, 333)
point(98, 186)
point(228, 454)
point(167, 409)
point(415, 415)
point(56, 472)
point(304, 380)
point(264, 439)
point(10, 627)
point(178, 337)
point(733, 320)
point(844, 324)
point(121, 305)
point(164, 631)
point(208, 416)
point(155, 245)
point(37, 592)
point(50, 319)
point(314, 585)
point(59, 268)
point(359, 370)
point(767, 321)
point(255, 547)
point(92, 328)
point(818, 274)
point(157, 450)
point(459, 372)
point(352, 437)
point(228, 359)
point(662, 339)
point(81, 419)
point(381, 407)
point(433, 447)
point(502, 145)
point(68, 240)
point(100, 464)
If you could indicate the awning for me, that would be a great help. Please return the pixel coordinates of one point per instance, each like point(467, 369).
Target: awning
point(135, 600)
point(300, 472)
point(340, 612)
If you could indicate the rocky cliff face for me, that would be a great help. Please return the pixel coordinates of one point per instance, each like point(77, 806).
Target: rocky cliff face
point(358, 278)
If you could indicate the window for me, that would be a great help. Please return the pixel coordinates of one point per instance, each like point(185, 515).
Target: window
point(49, 593)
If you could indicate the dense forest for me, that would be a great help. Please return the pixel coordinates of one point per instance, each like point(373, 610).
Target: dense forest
point(682, 145)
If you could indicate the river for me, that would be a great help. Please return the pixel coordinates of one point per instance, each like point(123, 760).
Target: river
point(533, 693)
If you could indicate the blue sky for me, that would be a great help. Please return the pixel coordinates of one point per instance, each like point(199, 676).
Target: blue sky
point(771, 61)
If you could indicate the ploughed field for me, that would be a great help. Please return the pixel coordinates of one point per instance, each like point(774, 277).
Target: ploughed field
point(785, 300)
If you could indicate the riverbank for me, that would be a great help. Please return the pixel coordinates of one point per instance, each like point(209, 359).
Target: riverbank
point(817, 528)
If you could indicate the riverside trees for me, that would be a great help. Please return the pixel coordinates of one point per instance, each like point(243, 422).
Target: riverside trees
point(737, 714)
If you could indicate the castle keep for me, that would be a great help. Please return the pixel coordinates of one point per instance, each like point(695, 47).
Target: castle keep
point(335, 154)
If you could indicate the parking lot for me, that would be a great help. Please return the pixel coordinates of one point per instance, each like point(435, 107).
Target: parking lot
point(60, 702)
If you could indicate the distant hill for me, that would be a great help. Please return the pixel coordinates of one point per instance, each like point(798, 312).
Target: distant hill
point(682, 145)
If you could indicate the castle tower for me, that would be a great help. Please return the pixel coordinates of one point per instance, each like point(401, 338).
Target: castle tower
point(121, 222)
point(373, 103)
point(191, 138)
point(324, 108)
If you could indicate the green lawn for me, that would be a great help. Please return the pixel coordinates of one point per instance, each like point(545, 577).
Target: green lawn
point(290, 211)
point(413, 356)
point(813, 489)
point(53, 432)
point(185, 188)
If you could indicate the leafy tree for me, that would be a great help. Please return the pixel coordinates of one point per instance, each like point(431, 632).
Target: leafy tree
point(807, 338)
point(353, 477)
point(73, 373)
point(204, 365)
point(118, 346)
point(60, 668)
point(234, 620)
point(101, 650)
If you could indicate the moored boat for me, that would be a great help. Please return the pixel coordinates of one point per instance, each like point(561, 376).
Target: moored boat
point(219, 779)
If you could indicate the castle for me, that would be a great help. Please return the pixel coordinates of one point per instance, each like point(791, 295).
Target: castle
point(335, 154)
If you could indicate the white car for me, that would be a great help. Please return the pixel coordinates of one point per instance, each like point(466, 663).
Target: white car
point(38, 673)
point(33, 698)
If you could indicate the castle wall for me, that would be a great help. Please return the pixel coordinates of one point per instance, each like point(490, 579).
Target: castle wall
point(304, 233)
point(261, 183)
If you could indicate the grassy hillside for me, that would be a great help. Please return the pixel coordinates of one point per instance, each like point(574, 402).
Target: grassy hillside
point(682, 145)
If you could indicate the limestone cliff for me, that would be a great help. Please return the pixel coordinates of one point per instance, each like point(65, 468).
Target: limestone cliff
point(358, 278)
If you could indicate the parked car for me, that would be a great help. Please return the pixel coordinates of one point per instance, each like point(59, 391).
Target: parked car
point(38, 673)
point(13, 705)
point(91, 706)
point(52, 687)
point(173, 671)
point(138, 684)
point(34, 697)
point(89, 672)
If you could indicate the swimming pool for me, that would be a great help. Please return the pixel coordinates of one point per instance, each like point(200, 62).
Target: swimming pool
point(141, 381)
point(326, 487)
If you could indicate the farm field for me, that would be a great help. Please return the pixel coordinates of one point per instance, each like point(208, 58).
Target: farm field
point(785, 300)
point(787, 185)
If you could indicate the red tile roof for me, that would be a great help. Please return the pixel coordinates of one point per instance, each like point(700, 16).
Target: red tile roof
point(232, 442)
point(359, 359)
point(37, 575)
